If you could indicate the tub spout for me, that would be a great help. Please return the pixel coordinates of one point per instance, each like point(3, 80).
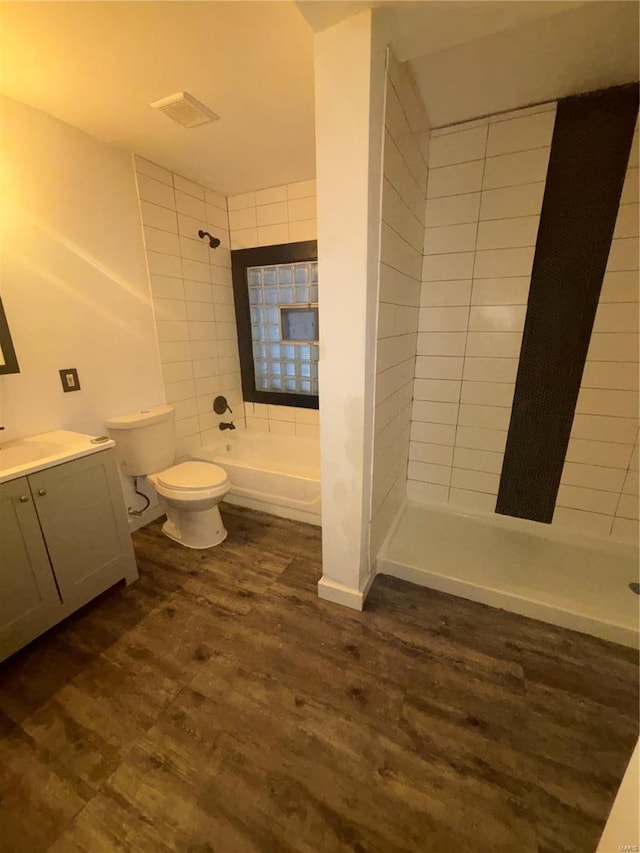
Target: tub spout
point(230, 425)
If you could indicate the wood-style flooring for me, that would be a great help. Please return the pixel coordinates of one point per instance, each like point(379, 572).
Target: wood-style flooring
point(218, 705)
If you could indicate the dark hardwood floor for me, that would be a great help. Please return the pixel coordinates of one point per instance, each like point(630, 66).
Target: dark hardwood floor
point(218, 705)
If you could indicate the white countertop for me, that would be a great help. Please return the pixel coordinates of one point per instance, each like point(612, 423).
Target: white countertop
point(37, 452)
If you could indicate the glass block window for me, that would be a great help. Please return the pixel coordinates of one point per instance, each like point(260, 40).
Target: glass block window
point(283, 300)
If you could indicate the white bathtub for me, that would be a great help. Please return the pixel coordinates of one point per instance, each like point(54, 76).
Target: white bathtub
point(273, 473)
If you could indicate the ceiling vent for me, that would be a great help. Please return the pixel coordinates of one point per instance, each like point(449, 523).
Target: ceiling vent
point(184, 109)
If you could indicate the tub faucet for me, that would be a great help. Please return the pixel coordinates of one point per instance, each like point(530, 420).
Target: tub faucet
point(230, 425)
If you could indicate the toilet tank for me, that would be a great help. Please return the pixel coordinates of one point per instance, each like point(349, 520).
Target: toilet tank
point(145, 440)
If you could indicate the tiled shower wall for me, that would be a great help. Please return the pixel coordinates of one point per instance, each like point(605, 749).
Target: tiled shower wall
point(599, 488)
point(268, 217)
point(192, 301)
point(403, 205)
point(484, 196)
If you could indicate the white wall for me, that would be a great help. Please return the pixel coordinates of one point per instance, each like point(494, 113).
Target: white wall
point(192, 300)
point(74, 283)
point(349, 92)
point(403, 208)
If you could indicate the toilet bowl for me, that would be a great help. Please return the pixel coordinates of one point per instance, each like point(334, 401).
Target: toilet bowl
point(191, 492)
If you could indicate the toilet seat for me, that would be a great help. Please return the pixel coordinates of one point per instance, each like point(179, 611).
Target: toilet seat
point(191, 482)
point(190, 476)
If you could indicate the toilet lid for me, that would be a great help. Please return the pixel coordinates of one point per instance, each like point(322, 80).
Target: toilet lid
point(193, 475)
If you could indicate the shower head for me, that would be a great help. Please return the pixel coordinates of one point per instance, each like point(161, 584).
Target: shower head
point(213, 241)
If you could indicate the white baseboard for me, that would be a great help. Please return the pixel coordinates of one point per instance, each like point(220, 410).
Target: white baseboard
point(347, 596)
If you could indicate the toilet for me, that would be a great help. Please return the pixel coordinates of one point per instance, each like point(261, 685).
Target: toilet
point(190, 491)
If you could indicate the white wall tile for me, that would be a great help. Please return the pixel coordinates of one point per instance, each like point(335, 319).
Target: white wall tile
point(306, 229)
point(189, 187)
point(156, 192)
point(598, 401)
point(495, 263)
point(455, 180)
point(621, 286)
point(191, 206)
point(500, 291)
point(245, 217)
point(158, 217)
point(487, 393)
point(630, 194)
point(497, 318)
point(273, 235)
point(628, 507)
point(271, 195)
point(145, 167)
point(441, 343)
point(237, 202)
point(623, 254)
point(428, 493)
point(506, 170)
point(433, 433)
point(301, 189)
point(605, 346)
point(507, 233)
point(475, 481)
point(452, 210)
point(156, 240)
point(443, 319)
point(443, 293)
point(455, 266)
point(272, 214)
point(428, 473)
point(478, 460)
point(519, 134)
point(593, 477)
point(605, 453)
point(493, 344)
point(436, 413)
point(433, 453)
point(458, 147)
point(450, 238)
point(485, 417)
point(437, 390)
point(301, 208)
point(476, 501)
point(628, 221)
point(499, 369)
point(506, 202)
point(590, 500)
point(477, 438)
point(438, 367)
point(616, 317)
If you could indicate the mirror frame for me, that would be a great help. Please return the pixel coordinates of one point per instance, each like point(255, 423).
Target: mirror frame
point(6, 345)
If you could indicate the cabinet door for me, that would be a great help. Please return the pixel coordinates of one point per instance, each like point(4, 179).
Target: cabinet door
point(83, 519)
point(29, 600)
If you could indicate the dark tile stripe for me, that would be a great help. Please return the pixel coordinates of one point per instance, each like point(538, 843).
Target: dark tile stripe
point(589, 154)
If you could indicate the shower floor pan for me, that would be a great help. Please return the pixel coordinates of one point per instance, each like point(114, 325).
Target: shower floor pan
point(582, 584)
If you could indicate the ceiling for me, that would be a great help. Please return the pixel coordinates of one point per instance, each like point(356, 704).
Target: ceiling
point(97, 65)
point(528, 58)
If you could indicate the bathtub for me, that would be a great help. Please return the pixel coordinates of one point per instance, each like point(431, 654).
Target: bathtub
point(274, 473)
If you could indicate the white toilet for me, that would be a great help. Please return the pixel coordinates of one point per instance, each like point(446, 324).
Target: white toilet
point(191, 491)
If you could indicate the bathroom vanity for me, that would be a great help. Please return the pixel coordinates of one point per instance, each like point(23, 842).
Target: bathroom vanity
point(64, 536)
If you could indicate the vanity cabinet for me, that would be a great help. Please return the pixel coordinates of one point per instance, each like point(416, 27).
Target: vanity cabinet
point(64, 539)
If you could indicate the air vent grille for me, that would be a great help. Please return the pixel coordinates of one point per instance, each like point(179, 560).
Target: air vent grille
point(185, 109)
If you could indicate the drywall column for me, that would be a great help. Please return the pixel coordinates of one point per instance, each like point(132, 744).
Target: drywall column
point(349, 92)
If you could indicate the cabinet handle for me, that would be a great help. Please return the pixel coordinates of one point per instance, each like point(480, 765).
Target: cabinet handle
point(42, 492)
point(24, 499)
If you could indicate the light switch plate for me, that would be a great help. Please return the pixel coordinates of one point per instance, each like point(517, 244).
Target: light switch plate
point(69, 379)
